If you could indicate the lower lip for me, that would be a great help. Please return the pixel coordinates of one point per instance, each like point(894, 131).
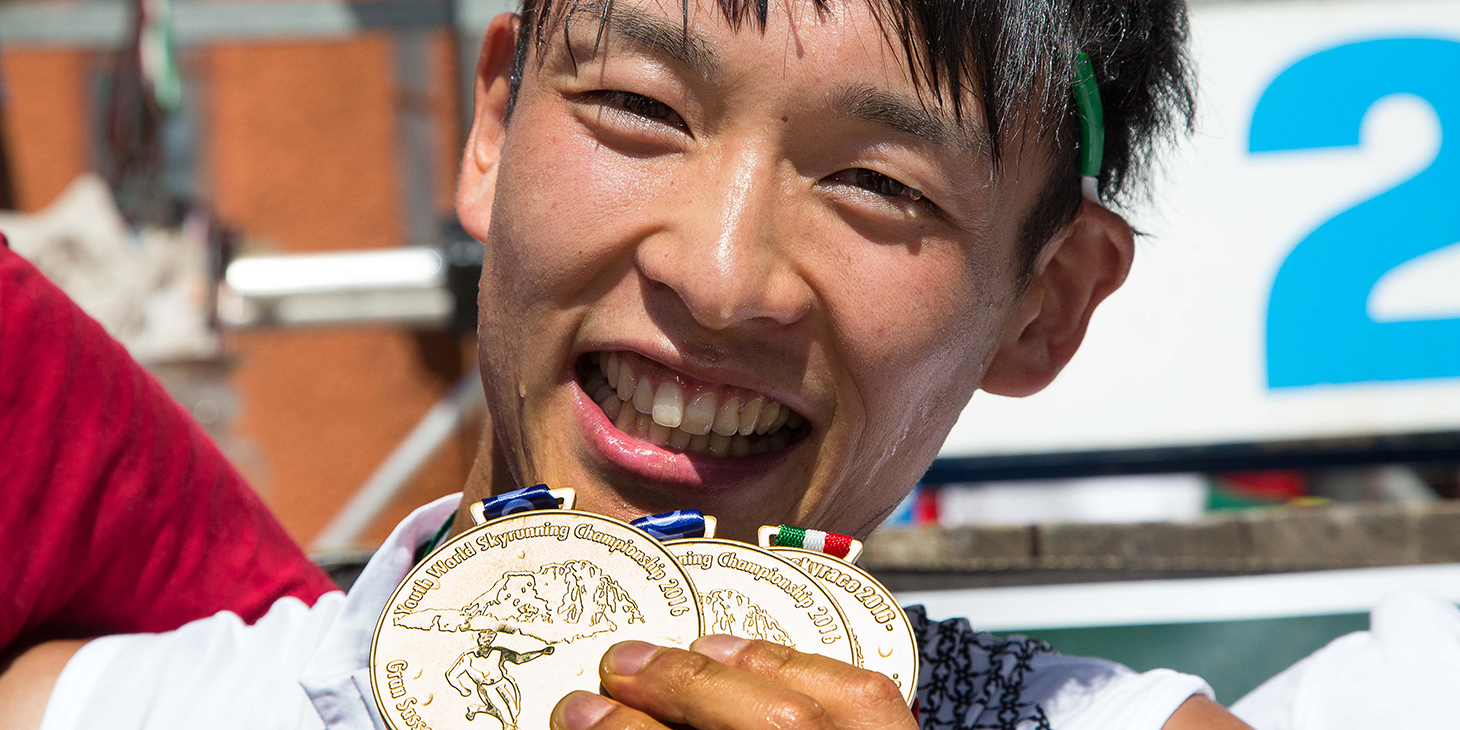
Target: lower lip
point(700, 472)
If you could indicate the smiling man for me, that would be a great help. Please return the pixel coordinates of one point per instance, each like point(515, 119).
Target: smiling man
point(743, 259)
point(752, 259)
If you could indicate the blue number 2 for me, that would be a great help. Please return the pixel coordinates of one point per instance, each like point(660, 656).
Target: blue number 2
point(1318, 326)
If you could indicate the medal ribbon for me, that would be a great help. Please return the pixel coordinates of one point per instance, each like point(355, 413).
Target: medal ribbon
point(837, 546)
point(526, 499)
point(676, 525)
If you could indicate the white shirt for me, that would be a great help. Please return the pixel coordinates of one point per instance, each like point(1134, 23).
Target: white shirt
point(1404, 672)
point(308, 667)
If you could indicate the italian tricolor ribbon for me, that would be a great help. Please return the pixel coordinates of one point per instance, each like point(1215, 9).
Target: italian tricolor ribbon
point(832, 544)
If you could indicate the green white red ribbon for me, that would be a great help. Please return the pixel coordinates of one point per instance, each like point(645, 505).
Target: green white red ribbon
point(837, 546)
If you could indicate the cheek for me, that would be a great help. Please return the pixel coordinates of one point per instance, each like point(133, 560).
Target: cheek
point(915, 330)
point(565, 213)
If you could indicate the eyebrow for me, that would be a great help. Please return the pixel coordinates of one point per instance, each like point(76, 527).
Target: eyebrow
point(878, 106)
point(657, 35)
point(662, 36)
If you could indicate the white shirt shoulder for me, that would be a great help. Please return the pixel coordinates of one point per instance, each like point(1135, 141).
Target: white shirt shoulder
point(1401, 673)
point(299, 666)
point(215, 672)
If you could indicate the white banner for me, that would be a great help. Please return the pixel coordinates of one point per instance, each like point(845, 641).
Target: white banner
point(1303, 276)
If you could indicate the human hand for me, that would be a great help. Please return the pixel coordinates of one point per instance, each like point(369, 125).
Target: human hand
point(728, 683)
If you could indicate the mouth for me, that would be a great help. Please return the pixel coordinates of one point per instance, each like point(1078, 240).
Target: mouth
point(649, 402)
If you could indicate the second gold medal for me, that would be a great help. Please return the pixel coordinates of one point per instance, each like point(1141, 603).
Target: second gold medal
point(878, 624)
point(751, 593)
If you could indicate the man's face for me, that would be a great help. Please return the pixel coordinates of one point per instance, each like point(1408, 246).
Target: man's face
point(689, 228)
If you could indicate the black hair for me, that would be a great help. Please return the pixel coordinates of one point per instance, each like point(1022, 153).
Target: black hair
point(1015, 60)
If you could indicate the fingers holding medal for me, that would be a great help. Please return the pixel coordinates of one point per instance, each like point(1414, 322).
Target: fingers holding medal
point(801, 589)
point(798, 677)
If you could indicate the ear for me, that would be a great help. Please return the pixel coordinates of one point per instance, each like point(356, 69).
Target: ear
point(478, 184)
point(1073, 274)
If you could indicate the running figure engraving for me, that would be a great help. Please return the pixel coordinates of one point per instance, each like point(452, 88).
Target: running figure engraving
point(485, 666)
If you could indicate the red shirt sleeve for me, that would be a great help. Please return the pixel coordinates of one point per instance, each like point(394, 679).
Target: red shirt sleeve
point(117, 512)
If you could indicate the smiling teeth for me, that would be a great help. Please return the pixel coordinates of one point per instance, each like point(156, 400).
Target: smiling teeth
point(658, 434)
point(719, 444)
point(781, 420)
point(625, 382)
point(712, 421)
point(727, 419)
point(749, 415)
point(767, 418)
point(609, 364)
point(699, 415)
point(668, 406)
point(626, 418)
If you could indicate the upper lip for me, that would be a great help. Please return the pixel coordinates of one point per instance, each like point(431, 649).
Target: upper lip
point(709, 373)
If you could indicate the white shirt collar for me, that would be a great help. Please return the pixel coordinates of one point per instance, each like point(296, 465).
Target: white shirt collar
point(337, 678)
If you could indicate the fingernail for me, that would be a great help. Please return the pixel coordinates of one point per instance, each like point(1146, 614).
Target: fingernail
point(718, 646)
point(629, 657)
point(582, 710)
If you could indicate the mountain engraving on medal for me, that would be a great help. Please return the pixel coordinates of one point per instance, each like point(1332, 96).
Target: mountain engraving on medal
point(750, 593)
point(729, 611)
point(558, 602)
point(519, 619)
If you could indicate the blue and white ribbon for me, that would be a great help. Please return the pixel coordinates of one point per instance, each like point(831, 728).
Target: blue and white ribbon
point(676, 525)
point(526, 499)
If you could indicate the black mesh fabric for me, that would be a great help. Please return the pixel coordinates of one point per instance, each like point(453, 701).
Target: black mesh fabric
point(973, 680)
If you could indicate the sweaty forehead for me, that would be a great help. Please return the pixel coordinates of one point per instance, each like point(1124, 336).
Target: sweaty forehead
point(705, 34)
point(867, 74)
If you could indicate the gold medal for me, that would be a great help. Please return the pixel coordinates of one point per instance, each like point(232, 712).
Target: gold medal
point(878, 624)
point(754, 594)
point(499, 623)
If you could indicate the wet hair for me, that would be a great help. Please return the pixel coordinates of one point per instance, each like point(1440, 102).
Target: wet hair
point(1014, 62)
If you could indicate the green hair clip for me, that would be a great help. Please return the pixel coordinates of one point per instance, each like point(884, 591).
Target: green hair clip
point(1092, 126)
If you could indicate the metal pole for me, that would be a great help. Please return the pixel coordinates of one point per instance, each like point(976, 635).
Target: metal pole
point(444, 418)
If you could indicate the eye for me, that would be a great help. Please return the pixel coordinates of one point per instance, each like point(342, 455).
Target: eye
point(637, 105)
point(876, 182)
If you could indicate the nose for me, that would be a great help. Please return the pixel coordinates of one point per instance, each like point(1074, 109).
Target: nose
point(728, 256)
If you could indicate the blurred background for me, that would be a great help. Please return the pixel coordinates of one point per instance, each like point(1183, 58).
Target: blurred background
point(1259, 439)
point(172, 139)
